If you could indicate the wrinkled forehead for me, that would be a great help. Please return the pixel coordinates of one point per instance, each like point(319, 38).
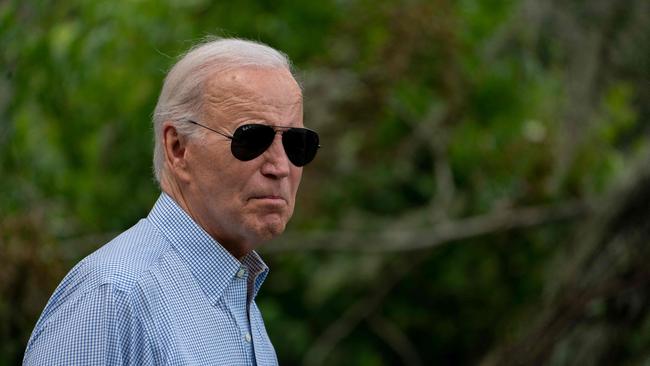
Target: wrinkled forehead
point(254, 84)
point(268, 95)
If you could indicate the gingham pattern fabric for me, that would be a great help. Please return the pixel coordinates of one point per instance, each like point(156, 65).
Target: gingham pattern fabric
point(162, 293)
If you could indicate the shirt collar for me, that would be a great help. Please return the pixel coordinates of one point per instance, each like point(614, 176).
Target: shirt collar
point(212, 265)
point(258, 270)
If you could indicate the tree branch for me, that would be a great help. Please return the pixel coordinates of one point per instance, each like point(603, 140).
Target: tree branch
point(394, 239)
point(358, 311)
point(396, 339)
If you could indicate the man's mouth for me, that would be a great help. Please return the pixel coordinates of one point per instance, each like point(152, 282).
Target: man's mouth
point(269, 197)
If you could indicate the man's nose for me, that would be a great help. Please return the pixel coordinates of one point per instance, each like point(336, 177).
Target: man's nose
point(276, 164)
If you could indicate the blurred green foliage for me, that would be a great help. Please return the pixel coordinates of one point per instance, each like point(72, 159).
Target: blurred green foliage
point(429, 111)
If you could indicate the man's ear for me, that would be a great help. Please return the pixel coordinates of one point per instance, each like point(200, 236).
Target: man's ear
point(175, 146)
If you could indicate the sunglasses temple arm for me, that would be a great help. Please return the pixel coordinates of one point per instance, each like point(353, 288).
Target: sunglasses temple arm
point(206, 127)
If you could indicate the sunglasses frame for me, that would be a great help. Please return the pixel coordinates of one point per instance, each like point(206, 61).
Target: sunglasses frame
point(275, 129)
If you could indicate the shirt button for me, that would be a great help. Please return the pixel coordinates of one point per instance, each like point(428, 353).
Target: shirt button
point(248, 337)
point(241, 273)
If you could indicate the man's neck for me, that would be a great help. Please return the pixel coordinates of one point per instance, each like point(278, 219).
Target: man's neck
point(171, 187)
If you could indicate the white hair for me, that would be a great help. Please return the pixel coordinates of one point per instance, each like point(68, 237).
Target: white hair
point(182, 93)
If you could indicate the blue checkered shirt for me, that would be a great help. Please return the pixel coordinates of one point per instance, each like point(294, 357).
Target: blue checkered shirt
point(162, 293)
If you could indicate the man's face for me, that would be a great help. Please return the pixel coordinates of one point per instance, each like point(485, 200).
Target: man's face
point(243, 203)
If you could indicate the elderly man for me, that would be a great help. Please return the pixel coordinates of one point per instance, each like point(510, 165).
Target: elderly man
point(179, 287)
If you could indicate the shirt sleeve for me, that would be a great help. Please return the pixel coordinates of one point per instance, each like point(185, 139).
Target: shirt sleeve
point(97, 328)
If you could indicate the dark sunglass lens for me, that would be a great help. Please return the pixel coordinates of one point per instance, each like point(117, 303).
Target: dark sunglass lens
point(250, 141)
point(301, 145)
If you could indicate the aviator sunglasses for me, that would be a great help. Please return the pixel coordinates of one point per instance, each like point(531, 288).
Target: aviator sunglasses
point(251, 140)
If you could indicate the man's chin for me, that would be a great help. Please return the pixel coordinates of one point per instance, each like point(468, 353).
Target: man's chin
point(271, 231)
point(271, 227)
